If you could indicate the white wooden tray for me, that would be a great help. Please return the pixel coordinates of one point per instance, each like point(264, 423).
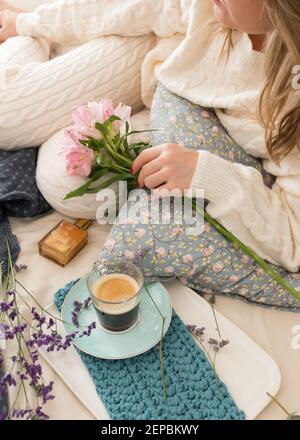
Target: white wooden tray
point(247, 370)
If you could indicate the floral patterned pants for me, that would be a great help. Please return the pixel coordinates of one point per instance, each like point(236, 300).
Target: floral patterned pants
point(207, 262)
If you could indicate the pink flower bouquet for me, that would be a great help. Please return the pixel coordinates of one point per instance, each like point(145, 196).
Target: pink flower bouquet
point(94, 146)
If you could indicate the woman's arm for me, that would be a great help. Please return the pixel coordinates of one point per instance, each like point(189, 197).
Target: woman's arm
point(83, 20)
point(267, 220)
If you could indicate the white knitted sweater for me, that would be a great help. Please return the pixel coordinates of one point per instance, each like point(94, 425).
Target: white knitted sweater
point(188, 60)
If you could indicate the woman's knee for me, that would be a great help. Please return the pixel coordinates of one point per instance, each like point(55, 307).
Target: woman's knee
point(180, 120)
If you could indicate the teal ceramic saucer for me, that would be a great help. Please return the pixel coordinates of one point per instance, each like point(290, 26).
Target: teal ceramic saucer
point(141, 338)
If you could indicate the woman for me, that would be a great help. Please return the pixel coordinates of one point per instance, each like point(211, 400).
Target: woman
point(207, 99)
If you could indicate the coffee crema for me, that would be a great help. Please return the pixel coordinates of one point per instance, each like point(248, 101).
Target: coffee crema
point(115, 288)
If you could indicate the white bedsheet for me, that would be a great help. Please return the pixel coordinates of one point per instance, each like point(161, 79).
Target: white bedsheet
point(272, 330)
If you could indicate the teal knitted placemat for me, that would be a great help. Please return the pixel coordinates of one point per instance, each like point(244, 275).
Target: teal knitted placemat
point(131, 389)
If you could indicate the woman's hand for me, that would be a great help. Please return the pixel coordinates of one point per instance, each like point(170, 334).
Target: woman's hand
point(7, 25)
point(166, 167)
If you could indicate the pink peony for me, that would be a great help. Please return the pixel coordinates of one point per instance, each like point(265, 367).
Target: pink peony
point(85, 120)
point(79, 161)
point(72, 138)
point(86, 117)
point(102, 110)
point(124, 113)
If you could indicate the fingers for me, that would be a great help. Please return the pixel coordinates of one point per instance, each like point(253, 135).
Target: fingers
point(150, 168)
point(155, 180)
point(145, 157)
point(161, 191)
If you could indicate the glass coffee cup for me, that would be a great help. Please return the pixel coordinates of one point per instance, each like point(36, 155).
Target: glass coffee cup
point(115, 289)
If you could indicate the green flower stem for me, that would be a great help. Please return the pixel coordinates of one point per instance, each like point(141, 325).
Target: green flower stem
point(210, 359)
point(216, 321)
point(290, 416)
point(260, 261)
point(279, 404)
point(108, 182)
point(83, 188)
point(161, 350)
point(119, 168)
point(115, 155)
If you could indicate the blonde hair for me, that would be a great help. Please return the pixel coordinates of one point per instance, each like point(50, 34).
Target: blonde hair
point(282, 51)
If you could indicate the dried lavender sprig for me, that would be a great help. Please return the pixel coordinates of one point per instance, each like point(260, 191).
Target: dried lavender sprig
point(198, 334)
point(79, 307)
point(29, 371)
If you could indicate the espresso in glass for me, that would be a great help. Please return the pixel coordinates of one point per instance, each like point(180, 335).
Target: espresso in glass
point(115, 292)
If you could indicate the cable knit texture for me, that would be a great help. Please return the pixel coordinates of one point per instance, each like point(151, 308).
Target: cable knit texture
point(187, 58)
point(131, 388)
point(38, 94)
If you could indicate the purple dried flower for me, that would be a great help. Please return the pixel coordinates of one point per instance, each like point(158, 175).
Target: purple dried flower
point(39, 415)
point(34, 355)
point(51, 323)
point(34, 371)
point(22, 413)
point(40, 319)
point(89, 330)
point(224, 342)
point(213, 341)
point(3, 415)
point(199, 331)
point(45, 392)
point(8, 379)
point(19, 329)
point(19, 267)
point(87, 303)
point(78, 307)
point(12, 315)
point(191, 328)
point(6, 306)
